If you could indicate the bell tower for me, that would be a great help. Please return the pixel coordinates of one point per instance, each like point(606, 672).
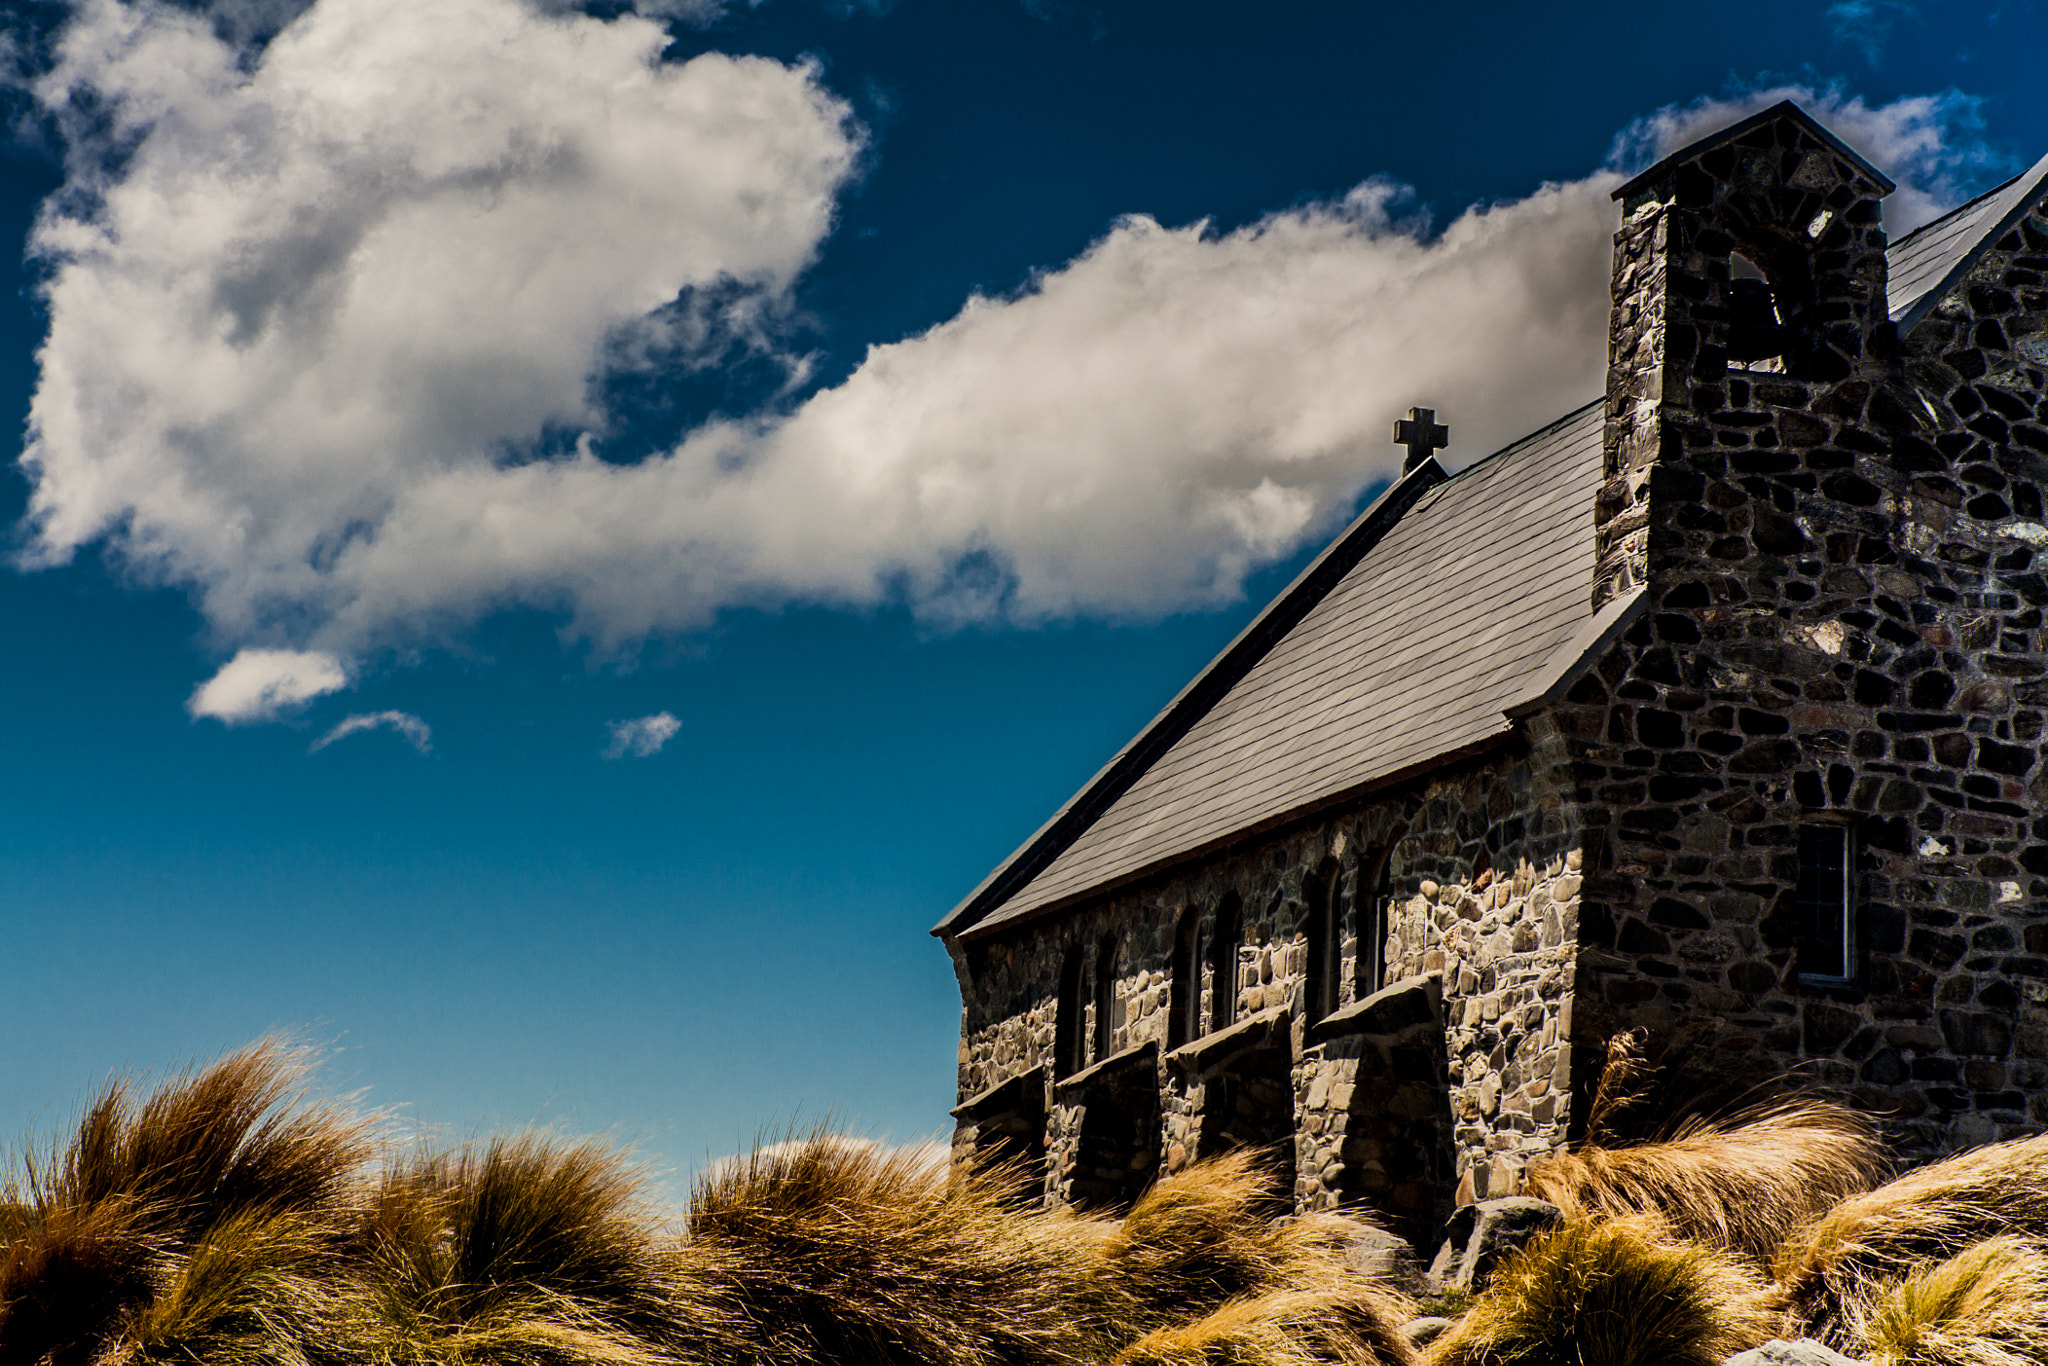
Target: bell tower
point(1749, 282)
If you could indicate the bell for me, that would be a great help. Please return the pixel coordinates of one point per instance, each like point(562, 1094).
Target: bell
point(1754, 332)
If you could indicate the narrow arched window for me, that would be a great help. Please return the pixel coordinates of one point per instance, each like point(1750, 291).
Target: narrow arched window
point(1067, 1033)
point(1184, 1001)
point(1378, 891)
point(1223, 956)
point(1323, 928)
point(1105, 997)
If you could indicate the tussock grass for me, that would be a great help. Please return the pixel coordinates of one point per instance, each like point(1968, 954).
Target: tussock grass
point(1836, 1265)
point(1740, 1182)
point(227, 1219)
point(1985, 1306)
point(1613, 1293)
point(180, 1225)
point(1197, 1260)
point(846, 1252)
point(1281, 1328)
point(527, 1250)
point(1739, 1179)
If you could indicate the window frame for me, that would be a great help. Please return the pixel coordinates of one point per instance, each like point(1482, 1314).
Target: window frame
point(1184, 1023)
point(1374, 906)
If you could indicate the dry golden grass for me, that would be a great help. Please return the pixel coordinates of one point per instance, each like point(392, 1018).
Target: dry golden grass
point(227, 1220)
point(256, 1288)
point(1985, 1306)
point(1613, 1293)
point(526, 1250)
point(1740, 1182)
point(845, 1252)
point(180, 1225)
point(1199, 1248)
point(1280, 1328)
point(1835, 1266)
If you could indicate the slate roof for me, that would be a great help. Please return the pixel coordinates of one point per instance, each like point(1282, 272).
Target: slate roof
point(1448, 616)
point(1451, 602)
point(1929, 261)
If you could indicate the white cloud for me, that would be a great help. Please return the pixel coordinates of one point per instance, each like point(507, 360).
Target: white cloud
point(395, 247)
point(258, 685)
point(641, 737)
point(303, 343)
point(414, 731)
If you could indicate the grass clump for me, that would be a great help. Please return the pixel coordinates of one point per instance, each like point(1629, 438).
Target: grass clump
point(226, 1219)
point(1280, 1328)
point(202, 1222)
point(525, 1250)
point(1836, 1266)
point(1197, 1260)
point(834, 1250)
point(1613, 1293)
point(1985, 1306)
point(1739, 1180)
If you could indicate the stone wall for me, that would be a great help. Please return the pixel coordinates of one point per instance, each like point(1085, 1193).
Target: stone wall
point(1478, 871)
point(1844, 622)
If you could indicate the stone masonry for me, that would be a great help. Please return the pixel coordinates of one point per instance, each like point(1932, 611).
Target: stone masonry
point(1844, 623)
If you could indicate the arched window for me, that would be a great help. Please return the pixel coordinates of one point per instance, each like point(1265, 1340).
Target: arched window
point(1223, 947)
point(1323, 928)
point(1105, 997)
point(1184, 1004)
point(1067, 1034)
point(1378, 891)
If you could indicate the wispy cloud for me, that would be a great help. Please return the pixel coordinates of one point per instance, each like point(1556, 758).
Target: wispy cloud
point(260, 685)
point(410, 728)
point(1866, 24)
point(642, 737)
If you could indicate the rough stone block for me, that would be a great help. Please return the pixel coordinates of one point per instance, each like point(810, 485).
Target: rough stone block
point(1798, 1352)
point(1478, 1235)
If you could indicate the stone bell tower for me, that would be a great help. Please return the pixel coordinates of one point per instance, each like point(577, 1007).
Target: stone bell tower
point(1749, 278)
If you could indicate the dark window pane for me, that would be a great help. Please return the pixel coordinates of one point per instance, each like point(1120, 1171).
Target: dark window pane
point(1067, 1037)
point(1822, 901)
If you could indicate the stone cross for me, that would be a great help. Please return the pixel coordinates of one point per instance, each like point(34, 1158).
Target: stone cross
point(1422, 436)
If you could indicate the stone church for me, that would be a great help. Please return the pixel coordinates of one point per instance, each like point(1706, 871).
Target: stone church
point(1715, 705)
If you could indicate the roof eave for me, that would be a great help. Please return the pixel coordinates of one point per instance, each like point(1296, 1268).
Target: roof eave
point(2029, 200)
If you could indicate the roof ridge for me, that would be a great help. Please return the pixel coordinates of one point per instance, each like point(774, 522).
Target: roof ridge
point(1522, 441)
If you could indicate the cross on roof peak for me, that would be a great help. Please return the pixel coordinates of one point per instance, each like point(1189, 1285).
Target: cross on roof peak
point(1422, 435)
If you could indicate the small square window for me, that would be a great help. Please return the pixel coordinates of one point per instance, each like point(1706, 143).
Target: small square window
point(1824, 904)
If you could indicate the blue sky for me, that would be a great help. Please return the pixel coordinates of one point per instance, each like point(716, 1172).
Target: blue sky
point(463, 385)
